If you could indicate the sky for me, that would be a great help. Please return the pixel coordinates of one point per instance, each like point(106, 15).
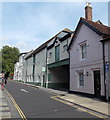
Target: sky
point(26, 25)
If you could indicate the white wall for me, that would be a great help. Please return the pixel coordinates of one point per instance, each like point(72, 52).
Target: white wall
point(92, 62)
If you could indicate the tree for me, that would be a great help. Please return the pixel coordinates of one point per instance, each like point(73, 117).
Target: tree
point(9, 57)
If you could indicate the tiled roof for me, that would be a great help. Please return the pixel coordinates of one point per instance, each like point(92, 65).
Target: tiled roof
point(41, 47)
point(38, 49)
point(45, 44)
point(102, 28)
point(67, 33)
point(97, 27)
point(66, 30)
point(105, 39)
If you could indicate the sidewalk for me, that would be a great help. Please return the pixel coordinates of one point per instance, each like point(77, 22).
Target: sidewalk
point(89, 103)
point(86, 102)
point(4, 110)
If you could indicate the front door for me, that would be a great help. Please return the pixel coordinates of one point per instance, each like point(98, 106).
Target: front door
point(97, 86)
point(44, 84)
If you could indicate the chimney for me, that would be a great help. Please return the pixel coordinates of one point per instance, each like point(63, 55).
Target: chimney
point(88, 11)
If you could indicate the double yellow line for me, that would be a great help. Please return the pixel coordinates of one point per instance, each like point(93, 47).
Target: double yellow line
point(75, 106)
point(16, 105)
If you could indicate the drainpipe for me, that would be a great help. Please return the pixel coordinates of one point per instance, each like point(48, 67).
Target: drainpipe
point(69, 74)
point(103, 50)
point(46, 70)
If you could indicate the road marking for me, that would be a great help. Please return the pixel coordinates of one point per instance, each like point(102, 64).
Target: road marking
point(55, 110)
point(24, 90)
point(84, 110)
point(16, 105)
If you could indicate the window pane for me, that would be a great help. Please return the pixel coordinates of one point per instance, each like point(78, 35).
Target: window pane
point(84, 51)
point(57, 53)
point(81, 79)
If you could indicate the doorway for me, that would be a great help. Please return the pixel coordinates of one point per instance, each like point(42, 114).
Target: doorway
point(44, 84)
point(97, 87)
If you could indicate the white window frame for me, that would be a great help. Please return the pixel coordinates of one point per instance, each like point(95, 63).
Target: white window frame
point(83, 51)
point(79, 81)
point(81, 45)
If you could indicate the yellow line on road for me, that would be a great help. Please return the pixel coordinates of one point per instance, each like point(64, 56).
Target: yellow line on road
point(17, 107)
point(84, 110)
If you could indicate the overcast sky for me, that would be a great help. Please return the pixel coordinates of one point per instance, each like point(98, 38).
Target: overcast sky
point(27, 25)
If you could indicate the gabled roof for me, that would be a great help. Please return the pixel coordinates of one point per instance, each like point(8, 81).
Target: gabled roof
point(28, 54)
point(67, 34)
point(97, 27)
point(22, 53)
point(66, 30)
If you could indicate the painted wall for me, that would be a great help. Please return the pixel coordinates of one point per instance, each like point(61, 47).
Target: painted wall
point(63, 54)
point(40, 67)
point(21, 68)
point(92, 62)
point(16, 70)
point(59, 75)
point(29, 69)
point(52, 58)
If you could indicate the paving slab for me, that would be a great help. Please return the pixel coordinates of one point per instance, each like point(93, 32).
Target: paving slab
point(90, 103)
point(4, 110)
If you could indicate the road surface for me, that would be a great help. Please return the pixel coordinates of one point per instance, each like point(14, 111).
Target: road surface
point(37, 103)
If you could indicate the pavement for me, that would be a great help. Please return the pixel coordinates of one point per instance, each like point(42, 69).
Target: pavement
point(86, 102)
point(4, 109)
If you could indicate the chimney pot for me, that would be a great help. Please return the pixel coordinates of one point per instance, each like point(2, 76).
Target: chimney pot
point(88, 11)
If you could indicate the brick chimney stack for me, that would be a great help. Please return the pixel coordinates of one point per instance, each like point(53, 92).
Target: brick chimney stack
point(88, 11)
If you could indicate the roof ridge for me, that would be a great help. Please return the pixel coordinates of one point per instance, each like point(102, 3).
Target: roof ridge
point(95, 22)
point(103, 29)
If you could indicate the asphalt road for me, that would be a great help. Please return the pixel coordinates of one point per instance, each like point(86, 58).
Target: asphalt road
point(36, 103)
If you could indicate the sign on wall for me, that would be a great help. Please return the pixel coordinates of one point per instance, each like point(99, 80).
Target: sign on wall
point(43, 69)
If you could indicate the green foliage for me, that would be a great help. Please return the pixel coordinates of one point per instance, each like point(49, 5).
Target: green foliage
point(9, 57)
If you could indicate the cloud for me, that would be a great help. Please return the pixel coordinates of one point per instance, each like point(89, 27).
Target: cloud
point(24, 43)
point(27, 25)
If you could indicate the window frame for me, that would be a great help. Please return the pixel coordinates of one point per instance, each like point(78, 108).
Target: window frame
point(81, 79)
point(57, 53)
point(50, 54)
point(83, 48)
point(65, 49)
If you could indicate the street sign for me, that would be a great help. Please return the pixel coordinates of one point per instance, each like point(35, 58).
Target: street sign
point(106, 67)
